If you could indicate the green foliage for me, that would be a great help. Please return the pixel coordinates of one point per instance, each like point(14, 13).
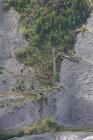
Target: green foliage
point(56, 77)
point(8, 135)
point(1, 70)
point(48, 24)
point(43, 126)
point(21, 53)
point(19, 87)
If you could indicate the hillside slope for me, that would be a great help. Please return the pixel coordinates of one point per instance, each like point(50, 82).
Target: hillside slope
point(27, 108)
point(74, 105)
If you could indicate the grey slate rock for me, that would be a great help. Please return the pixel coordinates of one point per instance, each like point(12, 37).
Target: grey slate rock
point(75, 106)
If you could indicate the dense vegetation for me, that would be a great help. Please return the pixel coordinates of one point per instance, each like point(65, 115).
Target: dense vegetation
point(49, 26)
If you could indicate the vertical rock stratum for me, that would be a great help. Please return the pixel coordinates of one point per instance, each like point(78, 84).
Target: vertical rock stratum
point(12, 73)
point(16, 110)
point(3, 84)
point(77, 80)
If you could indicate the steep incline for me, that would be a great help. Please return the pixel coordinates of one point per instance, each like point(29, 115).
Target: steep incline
point(16, 110)
point(12, 72)
point(3, 56)
point(77, 79)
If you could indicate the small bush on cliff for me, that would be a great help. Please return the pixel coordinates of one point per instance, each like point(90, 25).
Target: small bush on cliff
point(43, 126)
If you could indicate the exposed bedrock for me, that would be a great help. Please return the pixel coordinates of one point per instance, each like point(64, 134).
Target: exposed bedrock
point(73, 107)
point(12, 72)
point(17, 112)
point(76, 104)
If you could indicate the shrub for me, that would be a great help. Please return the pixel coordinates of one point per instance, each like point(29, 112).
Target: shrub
point(42, 126)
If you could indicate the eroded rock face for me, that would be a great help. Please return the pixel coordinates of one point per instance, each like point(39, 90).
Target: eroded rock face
point(75, 105)
point(17, 111)
point(12, 71)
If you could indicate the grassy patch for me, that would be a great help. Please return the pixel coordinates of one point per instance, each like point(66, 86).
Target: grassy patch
point(8, 135)
point(44, 125)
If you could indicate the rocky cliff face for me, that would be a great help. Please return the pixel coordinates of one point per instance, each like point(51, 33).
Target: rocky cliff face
point(71, 107)
point(74, 105)
point(16, 110)
point(77, 80)
point(12, 71)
